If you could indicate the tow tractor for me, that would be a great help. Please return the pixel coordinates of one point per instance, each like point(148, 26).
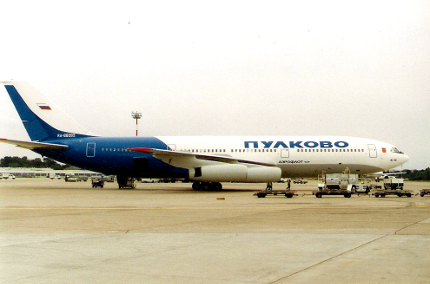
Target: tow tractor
point(269, 191)
point(288, 193)
point(344, 184)
point(97, 181)
point(392, 186)
point(424, 192)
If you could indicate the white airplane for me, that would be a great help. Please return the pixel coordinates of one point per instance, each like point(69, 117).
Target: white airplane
point(206, 160)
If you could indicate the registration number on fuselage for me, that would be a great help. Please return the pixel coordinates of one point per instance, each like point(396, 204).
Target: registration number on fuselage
point(66, 135)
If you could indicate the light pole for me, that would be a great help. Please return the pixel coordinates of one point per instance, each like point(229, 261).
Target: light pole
point(136, 115)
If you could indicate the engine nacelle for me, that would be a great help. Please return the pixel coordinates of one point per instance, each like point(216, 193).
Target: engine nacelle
point(264, 174)
point(235, 173)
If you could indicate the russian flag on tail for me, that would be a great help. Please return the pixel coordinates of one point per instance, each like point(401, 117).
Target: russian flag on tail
point(44, 106)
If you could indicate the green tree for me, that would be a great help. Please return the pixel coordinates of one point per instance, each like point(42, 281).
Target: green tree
point(24, 162)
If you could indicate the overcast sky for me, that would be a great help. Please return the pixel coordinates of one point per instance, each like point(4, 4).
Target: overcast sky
point(353, 68)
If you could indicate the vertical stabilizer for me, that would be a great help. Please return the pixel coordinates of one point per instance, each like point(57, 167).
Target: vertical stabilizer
point(41, 118)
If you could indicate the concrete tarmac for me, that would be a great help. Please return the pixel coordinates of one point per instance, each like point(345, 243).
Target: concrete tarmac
point(57, 232)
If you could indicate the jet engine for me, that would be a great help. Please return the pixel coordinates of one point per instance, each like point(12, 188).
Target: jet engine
point(235, 173)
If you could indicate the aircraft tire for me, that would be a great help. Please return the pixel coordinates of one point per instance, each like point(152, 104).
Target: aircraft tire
point(206, 186)
point(197, 185)
point(217, 186)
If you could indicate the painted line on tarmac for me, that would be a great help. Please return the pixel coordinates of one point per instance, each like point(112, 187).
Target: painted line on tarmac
point(144, 208)
point(207, 208)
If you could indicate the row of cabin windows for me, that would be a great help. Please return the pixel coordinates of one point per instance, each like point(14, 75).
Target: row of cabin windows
point(331, 150)
point(205, 150)
point(243, 150)
point(114, 150)
point(269, 150)
point(223, 150)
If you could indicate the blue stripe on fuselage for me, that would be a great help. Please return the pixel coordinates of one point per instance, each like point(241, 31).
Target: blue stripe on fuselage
point(110, 155)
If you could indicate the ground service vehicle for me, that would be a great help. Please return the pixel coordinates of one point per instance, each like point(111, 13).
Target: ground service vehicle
point(424, 192)
point(97, 181)
point(392, 186)
point(287, 193)
point(340, 184)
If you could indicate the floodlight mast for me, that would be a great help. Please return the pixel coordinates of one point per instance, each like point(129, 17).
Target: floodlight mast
point(136, 115)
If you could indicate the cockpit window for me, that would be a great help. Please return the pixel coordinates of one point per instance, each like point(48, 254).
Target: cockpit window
point(395, 150)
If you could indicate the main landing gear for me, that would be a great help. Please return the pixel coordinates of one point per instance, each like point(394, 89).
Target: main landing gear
point(212, 186)
point(126, 182)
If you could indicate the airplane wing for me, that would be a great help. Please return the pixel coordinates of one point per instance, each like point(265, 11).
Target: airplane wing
point(33, 145)
point(166, 155)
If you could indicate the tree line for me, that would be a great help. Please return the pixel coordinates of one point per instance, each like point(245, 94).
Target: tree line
point(417, 174)
point(24, 162)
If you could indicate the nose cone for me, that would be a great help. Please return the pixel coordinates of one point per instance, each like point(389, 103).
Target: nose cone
point(404, 159)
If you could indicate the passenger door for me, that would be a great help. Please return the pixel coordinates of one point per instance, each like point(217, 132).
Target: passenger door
point(372, 151)
point(91, 150)
point(285, 153)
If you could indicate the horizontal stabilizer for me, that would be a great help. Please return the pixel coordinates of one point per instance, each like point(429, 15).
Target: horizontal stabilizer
point(34, 145)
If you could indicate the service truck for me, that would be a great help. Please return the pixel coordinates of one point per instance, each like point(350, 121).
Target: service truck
point(341, 184)
point(392, 186)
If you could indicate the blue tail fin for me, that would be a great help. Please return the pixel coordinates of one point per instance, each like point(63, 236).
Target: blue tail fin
point(41, 118)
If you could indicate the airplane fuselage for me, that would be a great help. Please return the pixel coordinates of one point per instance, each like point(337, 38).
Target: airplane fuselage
point(295, 156)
